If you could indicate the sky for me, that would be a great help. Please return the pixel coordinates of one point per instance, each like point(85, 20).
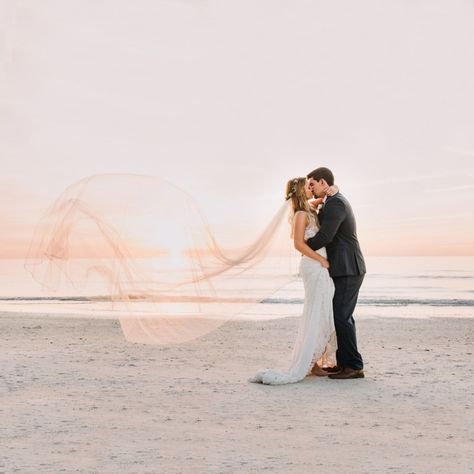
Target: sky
point(230, 99)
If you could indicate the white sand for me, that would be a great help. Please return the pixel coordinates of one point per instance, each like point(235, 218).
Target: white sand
point(77, 398)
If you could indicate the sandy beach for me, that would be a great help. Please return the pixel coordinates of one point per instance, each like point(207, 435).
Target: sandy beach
point(76, 397)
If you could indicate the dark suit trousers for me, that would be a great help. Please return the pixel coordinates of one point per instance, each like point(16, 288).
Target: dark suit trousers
point(344, 302)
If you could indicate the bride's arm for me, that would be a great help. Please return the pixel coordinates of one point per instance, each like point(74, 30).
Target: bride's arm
point(331, 191)
point(316, 202)
point(299, 226)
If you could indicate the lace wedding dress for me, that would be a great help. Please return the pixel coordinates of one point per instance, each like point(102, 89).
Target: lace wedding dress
point(316, 339)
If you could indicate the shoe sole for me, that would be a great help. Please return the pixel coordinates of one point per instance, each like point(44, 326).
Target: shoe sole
point(335, 377)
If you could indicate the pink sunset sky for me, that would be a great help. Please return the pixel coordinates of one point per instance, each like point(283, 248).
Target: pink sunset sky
point(229, 99)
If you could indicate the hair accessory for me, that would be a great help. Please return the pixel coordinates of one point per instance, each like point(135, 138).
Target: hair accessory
point(293, 190)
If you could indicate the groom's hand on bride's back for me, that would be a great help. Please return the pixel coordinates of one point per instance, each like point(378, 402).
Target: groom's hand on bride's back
point(325, 263)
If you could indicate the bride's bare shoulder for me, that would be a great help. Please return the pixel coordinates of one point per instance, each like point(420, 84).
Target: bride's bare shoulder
point(301, 216)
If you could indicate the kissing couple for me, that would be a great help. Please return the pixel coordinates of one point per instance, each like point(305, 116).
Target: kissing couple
point(332, 267)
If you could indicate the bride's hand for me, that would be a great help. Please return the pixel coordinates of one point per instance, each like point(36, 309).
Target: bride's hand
point(324, 263)
point(316, 202)
point(332, 190)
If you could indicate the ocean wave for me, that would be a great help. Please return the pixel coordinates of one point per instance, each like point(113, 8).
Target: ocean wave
point(420, 277)
point(386, 302)
point(394, 302)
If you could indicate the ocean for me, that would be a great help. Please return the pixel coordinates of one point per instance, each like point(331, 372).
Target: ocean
point(406, 287)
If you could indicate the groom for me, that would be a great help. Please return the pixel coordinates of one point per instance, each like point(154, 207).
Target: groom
point(347, 268)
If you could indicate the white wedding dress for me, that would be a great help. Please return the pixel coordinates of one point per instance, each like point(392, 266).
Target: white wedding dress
point(316, 339)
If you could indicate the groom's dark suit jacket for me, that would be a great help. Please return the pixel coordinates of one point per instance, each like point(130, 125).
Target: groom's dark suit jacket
point(338, 234)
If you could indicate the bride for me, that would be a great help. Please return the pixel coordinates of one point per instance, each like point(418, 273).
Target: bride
point(315, 346)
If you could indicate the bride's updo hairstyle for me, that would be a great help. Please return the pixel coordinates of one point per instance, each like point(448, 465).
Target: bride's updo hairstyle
point(296, 193)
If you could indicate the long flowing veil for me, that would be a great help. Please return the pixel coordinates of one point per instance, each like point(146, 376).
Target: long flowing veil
point(138, 248)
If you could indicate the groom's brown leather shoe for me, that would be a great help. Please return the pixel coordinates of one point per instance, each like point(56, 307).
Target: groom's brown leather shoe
point(347, 373)
point(333, 370)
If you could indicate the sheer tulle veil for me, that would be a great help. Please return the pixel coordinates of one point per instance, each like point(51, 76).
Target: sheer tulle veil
point(139, 249)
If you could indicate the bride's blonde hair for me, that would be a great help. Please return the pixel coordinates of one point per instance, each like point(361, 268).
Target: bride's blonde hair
point(296, 193)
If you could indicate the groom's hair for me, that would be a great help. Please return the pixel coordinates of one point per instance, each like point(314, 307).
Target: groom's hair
point(322, 173)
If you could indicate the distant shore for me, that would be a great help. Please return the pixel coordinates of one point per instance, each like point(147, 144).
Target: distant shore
point(77, 396)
